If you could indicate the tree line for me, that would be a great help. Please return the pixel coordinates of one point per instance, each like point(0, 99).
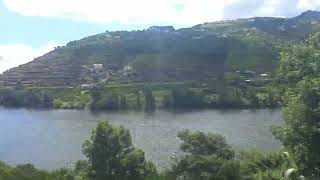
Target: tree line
point(101, 99)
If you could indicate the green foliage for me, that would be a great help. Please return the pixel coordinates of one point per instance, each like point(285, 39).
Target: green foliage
point(183, 98)
point(123, 104)
point(209, 157)
point(299, 78)
point(150, 102)
point(25, 98)
point(258, 166)
point(111, 155)
point(29, 172)
point(71, 99)
point(104, 100)
point(230, 92)
point(81, 170)
point(199, 143)
point(199, 167)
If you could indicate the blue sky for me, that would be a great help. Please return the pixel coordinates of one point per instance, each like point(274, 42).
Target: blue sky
point(30, 28)
point(37, 31)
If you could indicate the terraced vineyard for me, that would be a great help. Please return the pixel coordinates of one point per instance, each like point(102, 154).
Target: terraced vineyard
point(163, 54)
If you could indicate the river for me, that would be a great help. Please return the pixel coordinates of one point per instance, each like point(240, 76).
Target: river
point(51, 139)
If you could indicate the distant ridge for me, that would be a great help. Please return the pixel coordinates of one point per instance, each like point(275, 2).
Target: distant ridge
point(163, 54)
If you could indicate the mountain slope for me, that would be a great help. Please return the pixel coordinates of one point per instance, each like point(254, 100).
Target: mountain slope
point(163, 54)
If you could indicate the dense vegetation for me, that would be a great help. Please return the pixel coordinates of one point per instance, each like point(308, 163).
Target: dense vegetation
point(231, 92)
point(299, 78)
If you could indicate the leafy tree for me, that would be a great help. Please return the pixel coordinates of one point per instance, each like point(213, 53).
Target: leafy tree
point(197, 167)
point(112, 102)
point(81, 169)
point(299, 77)
point(258, 166)
point(150, 102)
point(111, 155)
point(138, 100)
point(123, 104)
point(199, 143)
point(25, 98)
point(209, 157)
point(183, 98)
point(46, 101)
point(95, 93)
point(102, 100)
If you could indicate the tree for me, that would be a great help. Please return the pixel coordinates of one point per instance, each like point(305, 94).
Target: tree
point(46, 100)
point(138, 100)
point(183, 98)
point(209, 157)
point(30, 98)
point(199, 143)
point(259, 166)
point(112, 102)
point(196, 167)
point(299, 79)
point(112, 156)
point(150, 102)
point(96, 97)
point(123, 103)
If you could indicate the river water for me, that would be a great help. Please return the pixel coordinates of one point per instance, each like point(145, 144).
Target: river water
point(51, 139)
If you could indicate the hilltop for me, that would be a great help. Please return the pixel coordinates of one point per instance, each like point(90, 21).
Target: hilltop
point(164, 54)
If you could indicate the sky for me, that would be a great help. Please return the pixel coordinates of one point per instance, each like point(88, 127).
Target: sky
point(30, 28)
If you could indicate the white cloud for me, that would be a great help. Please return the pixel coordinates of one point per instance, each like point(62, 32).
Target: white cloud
point(269, 7)
point(309, 4)
point(124, 11)
point(157, 11)
point(14, 55)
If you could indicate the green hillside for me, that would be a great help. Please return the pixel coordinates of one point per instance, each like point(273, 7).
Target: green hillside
point(163, 54)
